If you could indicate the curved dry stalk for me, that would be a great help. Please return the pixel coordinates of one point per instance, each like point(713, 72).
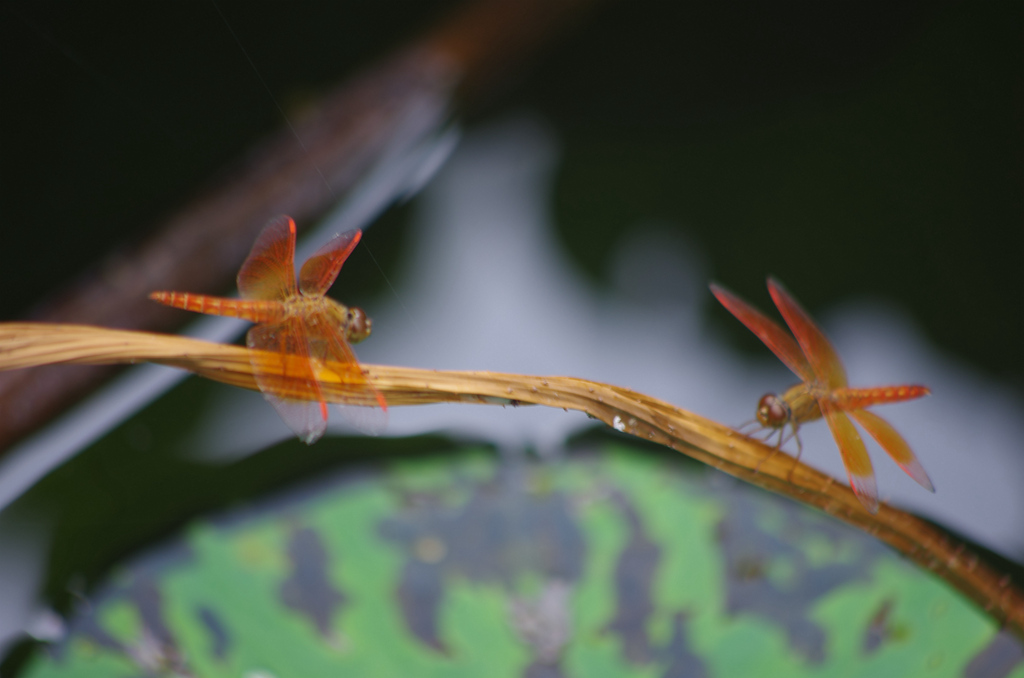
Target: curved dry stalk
point(32, 344)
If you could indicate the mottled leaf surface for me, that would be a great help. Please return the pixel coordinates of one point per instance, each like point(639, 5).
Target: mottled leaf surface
point(609, 563)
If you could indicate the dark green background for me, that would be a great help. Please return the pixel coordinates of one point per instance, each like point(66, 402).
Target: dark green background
point(851, 148)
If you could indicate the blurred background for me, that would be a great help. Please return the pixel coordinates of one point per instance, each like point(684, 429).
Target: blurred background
point(869, 154)
point(856, 150)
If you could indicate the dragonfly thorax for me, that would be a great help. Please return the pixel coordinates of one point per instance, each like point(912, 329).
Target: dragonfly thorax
point(351, 321)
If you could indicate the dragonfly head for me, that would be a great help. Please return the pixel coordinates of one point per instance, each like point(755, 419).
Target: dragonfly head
point(357, 325)
point(773, 411)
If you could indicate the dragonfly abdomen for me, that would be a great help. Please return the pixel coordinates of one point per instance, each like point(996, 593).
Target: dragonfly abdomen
point(859, 398)
point(253, 310)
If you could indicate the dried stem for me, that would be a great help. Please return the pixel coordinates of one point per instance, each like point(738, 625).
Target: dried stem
point(31, 344)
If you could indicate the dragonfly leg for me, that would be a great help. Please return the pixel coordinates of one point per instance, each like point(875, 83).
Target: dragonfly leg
point(748, 426)
point(799, 451)
point(776, 447)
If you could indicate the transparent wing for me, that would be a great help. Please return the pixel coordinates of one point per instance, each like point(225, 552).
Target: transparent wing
point(823, 358)
point(320, 270)
point(328, 344)
point(768, 331)
point(855, 456)
point(894, 445)
point(269, 270)
point(306, 414)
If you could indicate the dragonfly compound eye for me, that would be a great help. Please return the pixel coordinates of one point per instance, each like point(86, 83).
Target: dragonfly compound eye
point(358, 326)
point(772, 411)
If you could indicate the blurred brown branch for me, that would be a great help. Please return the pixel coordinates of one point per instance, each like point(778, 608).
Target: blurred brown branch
point(29, 344)
point(201, 246)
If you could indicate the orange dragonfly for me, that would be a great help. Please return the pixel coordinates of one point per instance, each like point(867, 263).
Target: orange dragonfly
point(298, 321)
point(824, 393)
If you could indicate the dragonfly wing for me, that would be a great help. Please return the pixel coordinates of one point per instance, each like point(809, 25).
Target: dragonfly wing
point(855, 456)
point(269, 270)
point(328, 344)
point(320, 270)
point(302, 417)
point(816, 346)
point(894, 445)
point(768, 331)
point(305, 415)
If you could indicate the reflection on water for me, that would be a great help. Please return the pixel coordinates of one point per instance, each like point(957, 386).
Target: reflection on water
point(488, 287)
